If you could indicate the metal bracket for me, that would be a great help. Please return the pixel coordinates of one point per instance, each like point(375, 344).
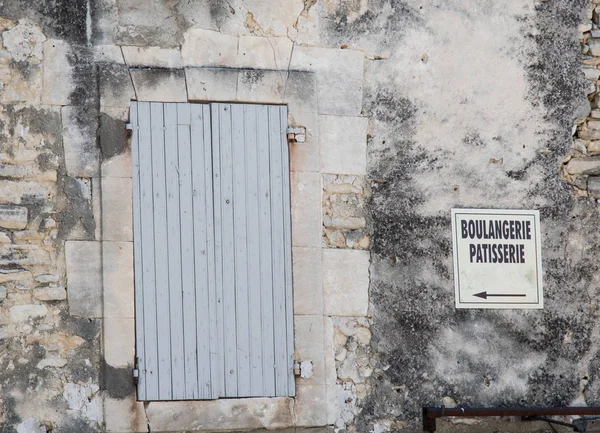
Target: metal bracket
point(296, 135)
point(135, 372)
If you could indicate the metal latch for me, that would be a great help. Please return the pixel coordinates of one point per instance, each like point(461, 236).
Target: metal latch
point(296, 135)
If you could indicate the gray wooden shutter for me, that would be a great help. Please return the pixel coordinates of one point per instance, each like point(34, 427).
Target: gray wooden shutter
point(212, 243)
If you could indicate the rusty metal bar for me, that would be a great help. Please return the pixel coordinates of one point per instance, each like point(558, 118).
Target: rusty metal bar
point(430, 414)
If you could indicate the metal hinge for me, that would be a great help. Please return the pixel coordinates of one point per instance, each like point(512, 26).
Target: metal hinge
point(303, 369)
point(296, 135)
point(129, 126)
point(136, 372)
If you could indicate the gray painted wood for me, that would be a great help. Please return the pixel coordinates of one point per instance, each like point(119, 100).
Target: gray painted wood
point(137, 253)
point(160, 249)
point(212, 251)
point(173, 265)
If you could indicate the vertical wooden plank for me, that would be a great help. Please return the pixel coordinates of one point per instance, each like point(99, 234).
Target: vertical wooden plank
point(187, 251)
point(277, 242)
point(174, 251)
point(287, 248)
point(160, 251)
point(265, 252)
point(240, 258)
point(228, 251)
point(147, 238)
point(253, 253)
point(219, 346)
point(215, 357)
point(201, 249)
point(137, 254)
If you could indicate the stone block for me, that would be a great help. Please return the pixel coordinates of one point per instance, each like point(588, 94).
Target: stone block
point(96, 208)
point(108, 54)
point(58, 81)
point(7, 275)
point(13, 217)
point(264, 52)
point(21, 313)
point(12, 171)
point(117, 208)
point(154, 57)
point(82, 155)
point(116, 87)
point(305, 156)
point(221, 415)
point(24, 192)
point(329, 352)
point(339, 77)
point(50, 293)
point(301, 92)
point(23, 87)
point(118, 166)
point(594, 45)
point(309, 346)
point(208, 84)
point(343, 144)
point(118, 279)
point(125, 415)
point(84, 278)
point(587, 166)
point(119, 342)
point(265, 87)
point(345, 282)
point(165, 85)
point(593, 187)
point(209, 48)
point(308, 294)
point(306, 209)
point(14, 256)
point(310, 407)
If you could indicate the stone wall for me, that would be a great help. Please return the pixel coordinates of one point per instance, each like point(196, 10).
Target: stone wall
point(582, 166)
point(410, 108)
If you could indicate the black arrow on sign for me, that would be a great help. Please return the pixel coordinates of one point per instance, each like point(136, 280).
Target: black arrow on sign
point(485, 295)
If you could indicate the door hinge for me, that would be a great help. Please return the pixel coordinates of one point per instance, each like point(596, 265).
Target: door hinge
point(304, 369)
point(136, 372)
point(296, 135)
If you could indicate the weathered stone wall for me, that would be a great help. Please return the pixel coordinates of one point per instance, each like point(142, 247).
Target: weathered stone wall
point(410, 108)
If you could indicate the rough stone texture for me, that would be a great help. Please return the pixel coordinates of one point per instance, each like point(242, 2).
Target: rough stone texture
point(343, 144)
point(84, 278)
point(57, 82)
point(308, 297)
point(117, 209)
point(13, 217)
point(306, 209)
point(209, 48)
point(165, 85)
point(336, 96)
point(345, 282)
point(211, 84)
point(152, 56)
point(344, 223)
point(227, 414)
point(82, 156)
point(118, 279)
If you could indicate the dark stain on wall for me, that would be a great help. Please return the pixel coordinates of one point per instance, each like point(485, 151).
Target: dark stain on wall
point(113, 139)
point(65, 19)
point(118, 382)
point(417, 332)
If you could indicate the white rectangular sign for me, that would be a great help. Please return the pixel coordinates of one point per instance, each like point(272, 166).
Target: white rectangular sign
point(497, 258)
